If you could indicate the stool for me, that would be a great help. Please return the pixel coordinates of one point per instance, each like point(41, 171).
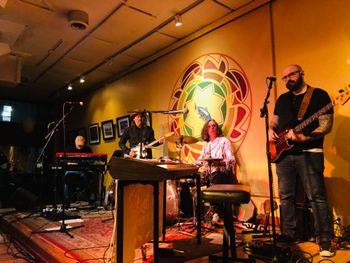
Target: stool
point(227, 195)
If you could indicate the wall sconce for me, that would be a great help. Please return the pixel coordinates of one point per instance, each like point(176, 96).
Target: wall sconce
point(178, 20)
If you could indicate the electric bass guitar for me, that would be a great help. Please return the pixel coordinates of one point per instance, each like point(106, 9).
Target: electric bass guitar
point(282, 144)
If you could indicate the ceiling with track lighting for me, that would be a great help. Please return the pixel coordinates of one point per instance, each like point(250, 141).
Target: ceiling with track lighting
point(47, 45)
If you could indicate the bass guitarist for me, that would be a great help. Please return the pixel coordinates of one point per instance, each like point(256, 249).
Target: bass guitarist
point(139, 134)
point(303, 157)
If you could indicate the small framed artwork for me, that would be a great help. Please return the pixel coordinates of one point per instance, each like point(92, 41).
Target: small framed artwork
point(122, 124)
point(107, 130)
point(94, 134)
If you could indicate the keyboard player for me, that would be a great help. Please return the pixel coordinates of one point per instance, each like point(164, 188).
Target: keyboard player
point(81, 184)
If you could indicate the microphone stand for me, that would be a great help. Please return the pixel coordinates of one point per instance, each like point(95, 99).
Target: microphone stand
point(41, 158)
point(63, 228)
point(265, 114)
point(41, 155)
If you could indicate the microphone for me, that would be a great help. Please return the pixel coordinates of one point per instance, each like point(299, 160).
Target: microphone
point(80, 103)
point(271, 78)
point(183, 111)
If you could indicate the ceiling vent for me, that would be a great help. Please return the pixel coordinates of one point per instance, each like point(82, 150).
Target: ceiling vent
point(78, 19)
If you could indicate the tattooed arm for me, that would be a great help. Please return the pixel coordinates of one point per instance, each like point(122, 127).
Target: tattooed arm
point(325, 126)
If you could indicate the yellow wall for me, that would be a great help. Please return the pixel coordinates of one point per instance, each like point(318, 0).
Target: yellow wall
point(313, 33)
point(316, 35)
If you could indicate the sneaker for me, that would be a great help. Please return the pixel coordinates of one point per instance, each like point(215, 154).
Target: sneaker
point(326, 252)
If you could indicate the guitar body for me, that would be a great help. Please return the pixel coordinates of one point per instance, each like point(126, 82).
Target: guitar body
point(136, 149)
point(279, 146)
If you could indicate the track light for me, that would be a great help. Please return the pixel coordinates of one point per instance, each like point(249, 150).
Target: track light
point(178, 20)
point(82, 79)
point(70, 87)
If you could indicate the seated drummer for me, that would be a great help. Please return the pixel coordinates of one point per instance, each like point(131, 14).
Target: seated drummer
point(139, 134)
point(87, 183)
point(216, 146)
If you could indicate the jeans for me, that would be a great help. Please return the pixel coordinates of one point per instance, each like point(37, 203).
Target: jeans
point(308, 167)
point(85, 181)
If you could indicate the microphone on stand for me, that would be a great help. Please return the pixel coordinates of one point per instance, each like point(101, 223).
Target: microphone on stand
point(183, 111)
point(80, 103)
point(271, 78)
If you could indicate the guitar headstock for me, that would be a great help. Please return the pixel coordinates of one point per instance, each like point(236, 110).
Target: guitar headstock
point(342, 97)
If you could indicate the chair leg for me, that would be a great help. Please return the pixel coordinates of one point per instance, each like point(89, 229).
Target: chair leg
point(230, 228)
point(229, 236)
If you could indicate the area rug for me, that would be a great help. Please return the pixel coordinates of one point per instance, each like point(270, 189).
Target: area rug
point(91, 240)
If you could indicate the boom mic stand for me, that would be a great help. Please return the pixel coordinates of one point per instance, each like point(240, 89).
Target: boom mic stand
point(63, 228)
point(273, 253)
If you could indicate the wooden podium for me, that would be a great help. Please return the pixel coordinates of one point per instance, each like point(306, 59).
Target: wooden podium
point(149, 171)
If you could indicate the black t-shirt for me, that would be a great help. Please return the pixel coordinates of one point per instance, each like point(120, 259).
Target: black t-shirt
point(85, 149)
point(135, 135)
point(287, 108)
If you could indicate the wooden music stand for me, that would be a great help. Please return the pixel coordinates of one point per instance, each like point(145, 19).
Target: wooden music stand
point(131, 171)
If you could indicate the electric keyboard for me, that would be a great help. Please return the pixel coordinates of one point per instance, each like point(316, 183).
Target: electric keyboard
point(80, 161)
point(81, 158)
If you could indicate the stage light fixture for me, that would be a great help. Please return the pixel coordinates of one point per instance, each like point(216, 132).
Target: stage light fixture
point(178, 20)
point(70, 87)
point(82, 79)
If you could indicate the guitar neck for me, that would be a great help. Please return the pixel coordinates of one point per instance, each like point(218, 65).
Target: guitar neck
point(312, 118)
point(154, 142)
point(161, 138)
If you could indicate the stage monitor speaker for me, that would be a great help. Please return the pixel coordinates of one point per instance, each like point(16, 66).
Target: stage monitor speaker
point(23, 199)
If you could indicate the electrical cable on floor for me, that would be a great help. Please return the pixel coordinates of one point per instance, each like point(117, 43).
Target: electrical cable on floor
point(20, 253)
point(261, 249)
point(66, 253)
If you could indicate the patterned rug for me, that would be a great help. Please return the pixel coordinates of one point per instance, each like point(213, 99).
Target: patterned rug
point(93, 236)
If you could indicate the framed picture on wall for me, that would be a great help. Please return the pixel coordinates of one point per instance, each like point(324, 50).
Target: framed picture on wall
point(122, 124)
point(108, 130)
point(94, 134)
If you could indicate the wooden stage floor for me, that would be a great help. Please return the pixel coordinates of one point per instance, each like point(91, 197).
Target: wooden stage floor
point(90, 243)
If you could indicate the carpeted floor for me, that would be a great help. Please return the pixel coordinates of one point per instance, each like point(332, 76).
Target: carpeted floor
point(90, 242)
point(92, 239)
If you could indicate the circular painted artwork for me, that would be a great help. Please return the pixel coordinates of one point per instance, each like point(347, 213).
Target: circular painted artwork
point(213, 86)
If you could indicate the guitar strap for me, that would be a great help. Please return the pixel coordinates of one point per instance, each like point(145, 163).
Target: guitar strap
point(305, 103)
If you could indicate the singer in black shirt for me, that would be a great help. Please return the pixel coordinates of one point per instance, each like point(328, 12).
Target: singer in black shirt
point(305, 161)
point(138, 135)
